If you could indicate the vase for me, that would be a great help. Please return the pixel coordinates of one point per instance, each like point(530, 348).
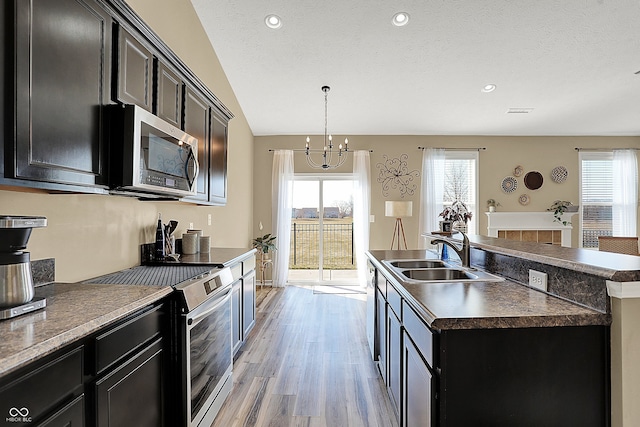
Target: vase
point(445, 226)
point(492, 208)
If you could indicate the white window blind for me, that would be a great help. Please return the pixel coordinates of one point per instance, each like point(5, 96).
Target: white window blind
point(460, 183)
point(596, 197)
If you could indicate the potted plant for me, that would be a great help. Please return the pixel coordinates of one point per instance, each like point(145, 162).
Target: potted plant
point(264, 244)
point(457, 212)
point(492, 205)
point(559, 207)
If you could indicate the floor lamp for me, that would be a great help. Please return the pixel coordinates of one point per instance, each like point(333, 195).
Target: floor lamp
point(398, 210)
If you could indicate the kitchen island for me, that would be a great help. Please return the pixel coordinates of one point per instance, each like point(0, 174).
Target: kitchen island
point(492, 353)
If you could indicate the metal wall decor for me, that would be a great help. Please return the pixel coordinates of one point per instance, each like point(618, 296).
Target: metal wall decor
point(395, 174)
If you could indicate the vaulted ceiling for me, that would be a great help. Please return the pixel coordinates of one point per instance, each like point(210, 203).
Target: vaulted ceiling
point(571, 64)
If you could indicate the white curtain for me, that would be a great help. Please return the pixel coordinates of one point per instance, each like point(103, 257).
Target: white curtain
point(625, 192)
point(431, 192)
point(281, 205)
point(361, 209)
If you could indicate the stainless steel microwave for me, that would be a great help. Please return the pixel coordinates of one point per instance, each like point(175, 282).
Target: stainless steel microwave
point(150, 156)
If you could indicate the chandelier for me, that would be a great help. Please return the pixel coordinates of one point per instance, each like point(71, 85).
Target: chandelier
point(327, 151)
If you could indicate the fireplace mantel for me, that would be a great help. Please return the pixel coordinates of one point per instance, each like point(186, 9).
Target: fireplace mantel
point(529, 222)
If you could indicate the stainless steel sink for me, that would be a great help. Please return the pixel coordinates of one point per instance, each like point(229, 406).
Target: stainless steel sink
point(437, 271)
point(418, 263)
point(439, 274)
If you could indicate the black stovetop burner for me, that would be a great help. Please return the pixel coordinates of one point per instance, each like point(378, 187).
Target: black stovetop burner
point(152, 275)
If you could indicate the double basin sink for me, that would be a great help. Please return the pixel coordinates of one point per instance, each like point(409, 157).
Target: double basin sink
point(437, 271)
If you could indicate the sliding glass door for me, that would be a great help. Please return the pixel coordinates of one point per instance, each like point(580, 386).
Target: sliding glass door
point(322, 229)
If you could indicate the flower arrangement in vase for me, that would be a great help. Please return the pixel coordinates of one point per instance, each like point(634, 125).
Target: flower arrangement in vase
point(457, 212)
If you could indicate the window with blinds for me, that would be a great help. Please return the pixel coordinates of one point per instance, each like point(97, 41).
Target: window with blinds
point(596, 197)
point(460, 182)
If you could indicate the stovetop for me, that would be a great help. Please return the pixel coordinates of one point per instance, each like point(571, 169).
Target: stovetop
point(152, 275)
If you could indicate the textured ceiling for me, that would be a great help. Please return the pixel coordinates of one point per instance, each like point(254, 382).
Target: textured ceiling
point(572, 61)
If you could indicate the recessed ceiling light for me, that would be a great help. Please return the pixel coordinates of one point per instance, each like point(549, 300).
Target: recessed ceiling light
point(273, 21)
point(519, 110)
point(400, 19)
point(489, 88)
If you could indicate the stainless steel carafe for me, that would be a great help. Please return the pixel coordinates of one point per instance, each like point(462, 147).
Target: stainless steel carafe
point(16, 281)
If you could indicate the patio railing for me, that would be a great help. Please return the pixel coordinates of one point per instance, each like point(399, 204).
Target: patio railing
point(337, 246)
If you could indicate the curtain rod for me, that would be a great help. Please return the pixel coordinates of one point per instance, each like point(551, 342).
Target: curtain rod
point(605, 149)
point(311, 150)
point(455, 149)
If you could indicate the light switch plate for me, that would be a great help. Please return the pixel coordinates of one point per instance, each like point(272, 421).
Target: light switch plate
point(538, 280)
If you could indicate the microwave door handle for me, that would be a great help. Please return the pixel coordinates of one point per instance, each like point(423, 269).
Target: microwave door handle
point(191, 160)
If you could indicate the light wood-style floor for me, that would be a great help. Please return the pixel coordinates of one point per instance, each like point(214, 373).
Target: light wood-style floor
point(306, 363)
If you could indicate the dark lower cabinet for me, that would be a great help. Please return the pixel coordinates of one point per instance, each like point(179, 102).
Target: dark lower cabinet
point(61, 50)
point(248, 302)
point(417, 380)
point(501, 377)
point(243, 301)
point(72, 415)
point(116, 377)
point(236, 315)
point(394, 358)
point(524, 377)
point(132, 394)
point(39, 392)
point(381, 333)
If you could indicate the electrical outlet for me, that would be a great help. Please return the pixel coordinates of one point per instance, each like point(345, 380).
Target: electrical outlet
point(209, 219)
point(190, 226)
point(538, 280)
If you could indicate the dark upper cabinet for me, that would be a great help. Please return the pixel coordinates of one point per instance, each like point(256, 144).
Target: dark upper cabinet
point(168, 104)
point(134, 72)
point(62, 54)
point(218, 160)
point(197, 124)
point(202, 120)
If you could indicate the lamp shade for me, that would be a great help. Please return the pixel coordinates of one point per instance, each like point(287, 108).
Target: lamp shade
point(397, 209)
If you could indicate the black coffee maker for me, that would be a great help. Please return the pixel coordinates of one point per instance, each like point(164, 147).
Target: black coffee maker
point(16, 282)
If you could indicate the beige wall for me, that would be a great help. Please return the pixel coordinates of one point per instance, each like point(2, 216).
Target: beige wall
point(91, 235)
point(501, 156)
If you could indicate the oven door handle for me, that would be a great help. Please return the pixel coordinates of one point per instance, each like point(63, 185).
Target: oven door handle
point(193, 321)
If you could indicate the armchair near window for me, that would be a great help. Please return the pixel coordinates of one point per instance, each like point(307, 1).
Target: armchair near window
point(621, 245)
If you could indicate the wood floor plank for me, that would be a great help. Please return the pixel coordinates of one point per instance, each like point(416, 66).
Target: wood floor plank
point(306, 363)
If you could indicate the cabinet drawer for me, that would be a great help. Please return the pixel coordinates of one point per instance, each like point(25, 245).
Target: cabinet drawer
point(395, 300)
point(72, 415)
point(44, 387)
point(420, 334)
point(123, 339)
point(248, 265)
point(236, 271)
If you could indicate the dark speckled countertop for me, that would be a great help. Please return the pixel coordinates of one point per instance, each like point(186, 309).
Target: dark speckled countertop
point(482, 305)
point(73, 311)
point(76, 310)
point(610, 266)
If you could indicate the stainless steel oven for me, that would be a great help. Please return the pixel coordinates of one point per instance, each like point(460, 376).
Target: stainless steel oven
point(206, 347)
